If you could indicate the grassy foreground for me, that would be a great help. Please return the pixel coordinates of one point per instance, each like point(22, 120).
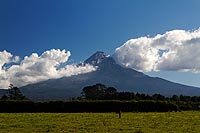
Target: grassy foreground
point(172, 122)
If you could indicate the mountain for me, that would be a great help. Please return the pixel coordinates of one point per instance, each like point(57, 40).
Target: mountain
point(109, 73)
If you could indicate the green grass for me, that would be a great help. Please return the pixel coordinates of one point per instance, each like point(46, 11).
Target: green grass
point(173, 122)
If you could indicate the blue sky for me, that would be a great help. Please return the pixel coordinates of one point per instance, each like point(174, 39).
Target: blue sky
point(85, 26)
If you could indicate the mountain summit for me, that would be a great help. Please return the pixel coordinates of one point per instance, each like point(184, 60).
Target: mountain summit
point(109, 73)
point(96, 58)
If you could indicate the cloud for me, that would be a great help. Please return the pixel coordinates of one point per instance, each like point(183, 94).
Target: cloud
point(176, 50)
point(35, 68)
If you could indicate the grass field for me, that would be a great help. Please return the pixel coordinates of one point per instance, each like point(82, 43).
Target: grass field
point(172, 122)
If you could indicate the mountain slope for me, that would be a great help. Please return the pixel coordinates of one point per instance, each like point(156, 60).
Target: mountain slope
point(110, 74)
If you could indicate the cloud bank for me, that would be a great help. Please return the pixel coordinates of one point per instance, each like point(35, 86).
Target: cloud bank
point(35, 68)
point(176, 50)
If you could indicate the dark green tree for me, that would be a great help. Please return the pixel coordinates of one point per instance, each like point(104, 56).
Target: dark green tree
point(94, 92)
point(14, 93)
point(158, 97)
point(99, 92)
point(110, 93)
point(175, 98)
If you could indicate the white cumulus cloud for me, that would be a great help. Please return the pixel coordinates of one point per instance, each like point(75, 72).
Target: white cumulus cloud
point(35, 68)
point(176, 50)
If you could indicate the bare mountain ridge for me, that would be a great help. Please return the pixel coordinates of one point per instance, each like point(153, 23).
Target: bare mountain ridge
point(110, 74)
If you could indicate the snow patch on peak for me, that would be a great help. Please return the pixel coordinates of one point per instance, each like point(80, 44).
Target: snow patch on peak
point(96, 58)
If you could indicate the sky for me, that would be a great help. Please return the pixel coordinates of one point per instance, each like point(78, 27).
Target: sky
point(74, 29)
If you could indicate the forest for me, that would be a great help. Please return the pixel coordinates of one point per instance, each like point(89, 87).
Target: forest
point(99, 98)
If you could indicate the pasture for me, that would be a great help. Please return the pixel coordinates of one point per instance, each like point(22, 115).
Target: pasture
point(154, 122)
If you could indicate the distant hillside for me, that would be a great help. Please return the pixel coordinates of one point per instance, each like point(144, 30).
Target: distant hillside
point(2, 92)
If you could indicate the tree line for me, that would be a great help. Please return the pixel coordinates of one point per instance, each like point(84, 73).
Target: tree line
point(99, 98)
point(86, 106)
point(101, 92)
